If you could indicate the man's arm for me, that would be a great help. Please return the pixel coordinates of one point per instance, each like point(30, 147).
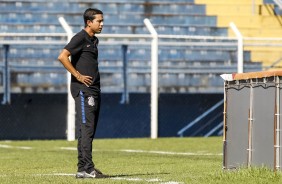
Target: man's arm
point(64, 59)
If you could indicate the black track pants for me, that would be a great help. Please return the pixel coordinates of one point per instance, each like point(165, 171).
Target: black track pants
point(87, 113)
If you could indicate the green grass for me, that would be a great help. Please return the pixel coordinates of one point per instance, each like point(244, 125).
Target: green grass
point(46, 159)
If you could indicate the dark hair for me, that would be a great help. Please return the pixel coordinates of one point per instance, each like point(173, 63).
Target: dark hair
point(89, 14)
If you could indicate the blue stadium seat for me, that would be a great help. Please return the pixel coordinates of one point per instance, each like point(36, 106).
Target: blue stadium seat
point(268, 1)
point(180, 17)
point(185, 19)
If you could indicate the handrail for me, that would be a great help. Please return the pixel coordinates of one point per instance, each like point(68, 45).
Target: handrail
point(207, 123)
point(271, 40)
point(279, 3)
point(122, 39)
point(195, 121)
point(32, 34)
point(274, 63)
point(263, 42)
point(214, 129)
point(115, 36)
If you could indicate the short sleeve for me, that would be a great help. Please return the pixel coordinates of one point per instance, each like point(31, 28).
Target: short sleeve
point(75, 45)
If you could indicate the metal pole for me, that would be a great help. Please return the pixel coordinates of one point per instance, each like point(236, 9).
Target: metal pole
point(224, 126)
point(71, 104)
point(250, 140)
point(4, 100)
point(240, 50)
point(6, 77)
point(277, 145)
point(125, 96)
point(154, 79)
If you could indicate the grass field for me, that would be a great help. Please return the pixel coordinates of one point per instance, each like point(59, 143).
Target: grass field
point(165, 160)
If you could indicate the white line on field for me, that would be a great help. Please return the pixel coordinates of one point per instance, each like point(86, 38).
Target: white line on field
point(137, 179)
point(68, 148)
point(55, 174)
point(5, 146)
point(75, 149)
point(117, 178)
point(15, 147)
point(153, 152)
point(169, 153)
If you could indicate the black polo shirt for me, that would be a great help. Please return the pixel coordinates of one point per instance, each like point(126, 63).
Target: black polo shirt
point(84, 58)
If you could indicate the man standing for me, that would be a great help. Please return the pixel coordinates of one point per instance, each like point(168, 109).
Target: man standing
point(85, 87)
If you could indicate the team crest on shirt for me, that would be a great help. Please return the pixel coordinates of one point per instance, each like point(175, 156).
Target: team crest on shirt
point(91, 101)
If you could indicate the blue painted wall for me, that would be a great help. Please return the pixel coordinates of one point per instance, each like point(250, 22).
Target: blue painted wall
point(43, 116)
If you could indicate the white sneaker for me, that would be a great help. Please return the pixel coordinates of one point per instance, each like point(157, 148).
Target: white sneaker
point(80, 174)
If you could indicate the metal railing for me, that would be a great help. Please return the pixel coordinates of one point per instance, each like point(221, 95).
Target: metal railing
point(154, 40)
point(279, 3)
point(270, 43)
point(199, 118)
point(215, 42)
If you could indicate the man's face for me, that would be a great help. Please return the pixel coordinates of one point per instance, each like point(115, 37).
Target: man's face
point(96, 25)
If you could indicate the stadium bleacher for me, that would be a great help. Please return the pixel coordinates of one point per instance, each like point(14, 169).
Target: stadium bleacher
point(191, 67)
point(181, 17)
point(254, 19)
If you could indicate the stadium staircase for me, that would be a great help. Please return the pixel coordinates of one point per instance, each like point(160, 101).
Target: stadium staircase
point(188, 69)
point(259, 18)
point(255, 19)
